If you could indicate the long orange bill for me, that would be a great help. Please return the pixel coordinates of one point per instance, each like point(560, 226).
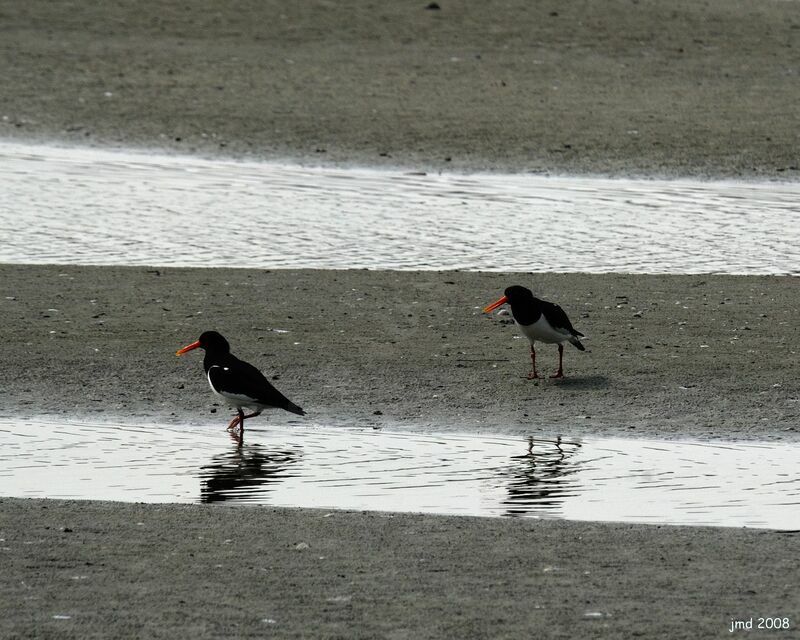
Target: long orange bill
point(188, 347)
point(495, 304)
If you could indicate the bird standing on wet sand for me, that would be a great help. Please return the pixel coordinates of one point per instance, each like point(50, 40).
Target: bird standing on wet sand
point(539, 320)
point(236, 381)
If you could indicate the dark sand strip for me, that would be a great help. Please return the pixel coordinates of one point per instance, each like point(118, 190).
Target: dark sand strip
point(668, 356)
point(620, 86)
point(149, 571)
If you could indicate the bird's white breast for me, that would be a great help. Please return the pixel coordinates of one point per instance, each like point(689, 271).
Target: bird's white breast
point(235, 399)
point(541, 331)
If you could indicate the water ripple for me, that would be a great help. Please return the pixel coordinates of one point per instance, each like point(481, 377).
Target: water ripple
point(723, 484)
point(86, 206)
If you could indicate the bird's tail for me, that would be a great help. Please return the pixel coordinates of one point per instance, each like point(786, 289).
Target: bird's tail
point(577, 343)
point(293, 408)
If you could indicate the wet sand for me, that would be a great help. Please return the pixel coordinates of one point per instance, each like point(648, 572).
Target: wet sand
point(613, 88)
point(667, 356)
point(151, 571)
point(621, 87)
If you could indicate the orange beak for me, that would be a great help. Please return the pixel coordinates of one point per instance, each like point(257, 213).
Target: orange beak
point(495, 304)
point(188, 347)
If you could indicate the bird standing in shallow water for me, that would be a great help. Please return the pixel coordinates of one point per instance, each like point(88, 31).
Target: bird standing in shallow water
point(539, 320)
point(236, 381)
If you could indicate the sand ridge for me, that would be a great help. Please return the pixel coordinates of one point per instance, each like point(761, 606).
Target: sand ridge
point(620, 87)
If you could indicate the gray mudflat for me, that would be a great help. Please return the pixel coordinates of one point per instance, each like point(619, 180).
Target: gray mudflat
point(618, 87)
point(146, 571)
point(667, 356)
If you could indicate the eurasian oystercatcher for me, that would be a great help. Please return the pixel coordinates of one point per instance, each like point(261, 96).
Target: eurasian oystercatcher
point(237, 382)
point(539, 320)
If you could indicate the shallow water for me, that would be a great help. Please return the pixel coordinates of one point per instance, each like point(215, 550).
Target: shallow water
point(88, 206)
point(753, 484)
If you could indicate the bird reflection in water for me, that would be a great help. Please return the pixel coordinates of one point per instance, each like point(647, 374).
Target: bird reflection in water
point(246, 473)
point(540, 480)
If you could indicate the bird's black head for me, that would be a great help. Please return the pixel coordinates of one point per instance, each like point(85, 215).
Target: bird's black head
point(211, 341)
point(518, 295)
point(514, 295)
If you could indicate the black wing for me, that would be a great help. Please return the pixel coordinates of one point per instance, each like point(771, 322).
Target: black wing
point(238, 377)
point(557, 318)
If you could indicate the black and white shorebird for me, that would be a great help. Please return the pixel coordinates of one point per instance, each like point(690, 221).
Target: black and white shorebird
point(237, 382)
point(539, 320)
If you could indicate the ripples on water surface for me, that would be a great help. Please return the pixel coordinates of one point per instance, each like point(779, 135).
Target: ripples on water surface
point(727, 484)
point(86, 206)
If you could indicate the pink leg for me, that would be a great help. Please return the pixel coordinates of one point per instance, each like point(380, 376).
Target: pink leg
point(533, 375)
point(560, 372)
point(236, 420)
point(240, 418)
